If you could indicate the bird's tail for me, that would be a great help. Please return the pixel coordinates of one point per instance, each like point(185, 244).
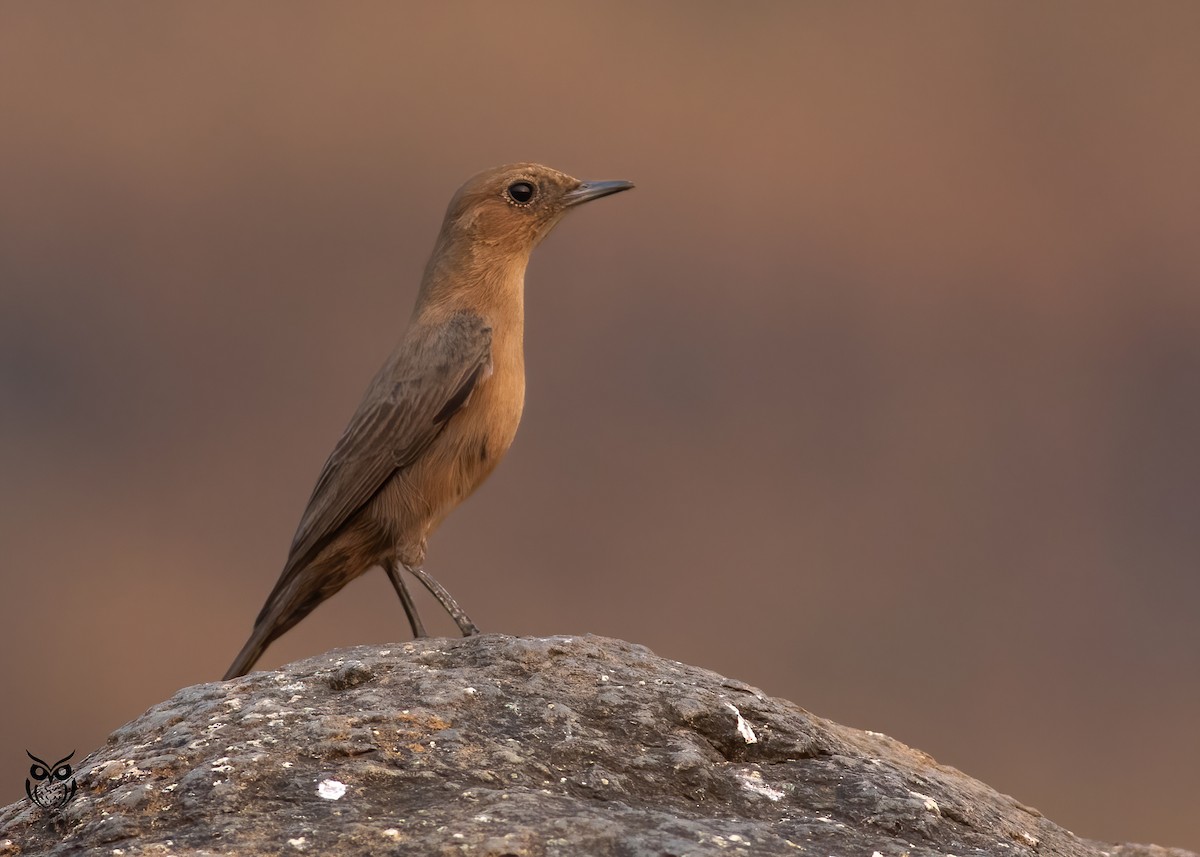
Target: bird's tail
point(298, 591)
point(250, 653)
point(279, 614)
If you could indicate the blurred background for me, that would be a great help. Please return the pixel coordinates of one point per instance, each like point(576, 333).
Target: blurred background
point(881, 392)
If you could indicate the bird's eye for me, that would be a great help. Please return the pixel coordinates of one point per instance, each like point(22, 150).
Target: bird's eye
point(521, 192)
point(38, 772)
point(62, 772)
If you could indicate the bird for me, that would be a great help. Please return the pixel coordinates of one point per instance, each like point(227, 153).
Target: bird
point(440, 413)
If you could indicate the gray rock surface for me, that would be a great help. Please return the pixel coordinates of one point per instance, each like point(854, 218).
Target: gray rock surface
point(498, 746)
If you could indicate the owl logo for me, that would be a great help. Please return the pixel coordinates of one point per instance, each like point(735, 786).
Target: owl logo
point(52, 786)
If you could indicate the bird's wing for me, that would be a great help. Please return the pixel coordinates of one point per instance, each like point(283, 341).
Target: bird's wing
point(427, 380)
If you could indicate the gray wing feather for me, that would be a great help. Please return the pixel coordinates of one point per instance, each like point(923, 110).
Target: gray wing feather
point(424, 382)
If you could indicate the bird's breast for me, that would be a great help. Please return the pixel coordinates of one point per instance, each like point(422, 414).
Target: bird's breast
point(472, 442)
point(484, 429)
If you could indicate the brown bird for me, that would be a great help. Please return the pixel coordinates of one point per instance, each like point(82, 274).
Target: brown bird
point(441, 412)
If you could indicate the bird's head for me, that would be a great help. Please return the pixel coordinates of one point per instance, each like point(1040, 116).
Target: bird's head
point(516, 206)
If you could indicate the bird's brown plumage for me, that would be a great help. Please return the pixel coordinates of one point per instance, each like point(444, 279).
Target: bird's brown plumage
point(442, 410)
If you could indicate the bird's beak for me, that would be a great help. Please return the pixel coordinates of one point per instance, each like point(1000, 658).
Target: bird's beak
point(594, 190)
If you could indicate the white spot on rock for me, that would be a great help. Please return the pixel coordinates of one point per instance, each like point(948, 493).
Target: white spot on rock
point(930, 803)
point(391, 833)
point(331, 790)
point(752, 781)
point(743, 727)
point(297, 843)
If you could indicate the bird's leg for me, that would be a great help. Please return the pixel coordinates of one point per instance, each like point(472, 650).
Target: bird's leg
point(410, 609)
point(446, 600)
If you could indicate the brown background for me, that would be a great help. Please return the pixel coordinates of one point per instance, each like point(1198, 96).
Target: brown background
point(880, 391)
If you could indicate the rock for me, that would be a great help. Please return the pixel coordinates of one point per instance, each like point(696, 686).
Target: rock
point(497, 746)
